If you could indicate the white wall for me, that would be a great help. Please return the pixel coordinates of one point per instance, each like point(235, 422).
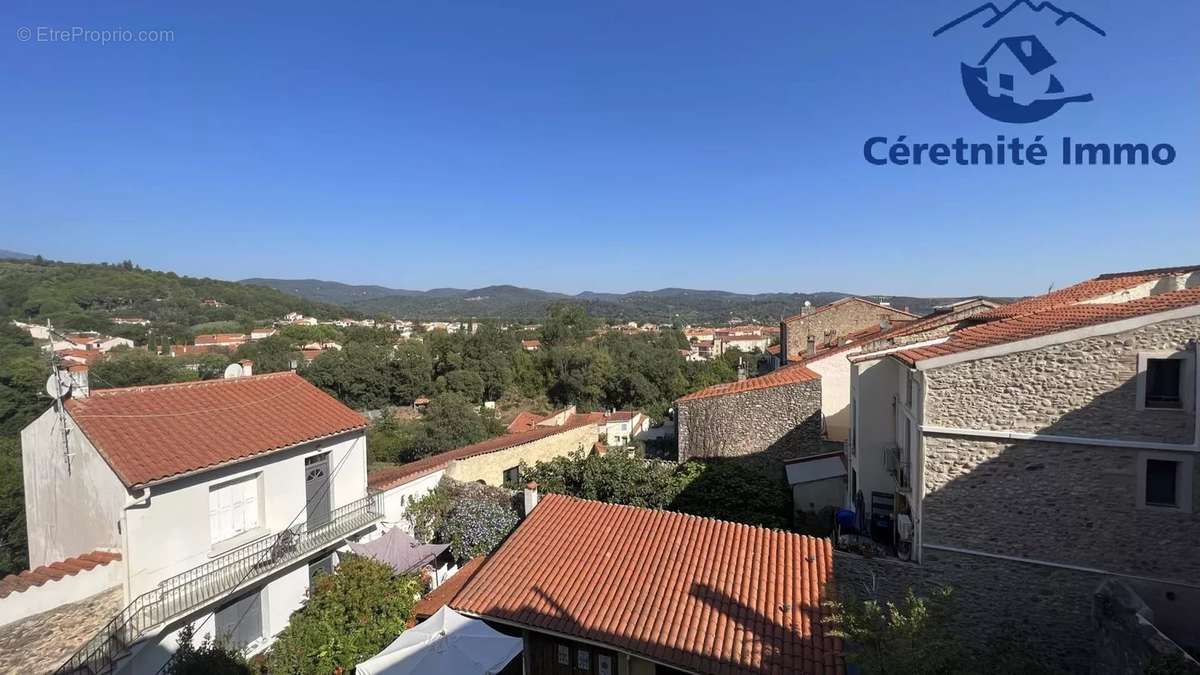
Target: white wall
point(835, 392)
point(171, 534)
point(67, 512)
point(55, 593)
point(875, 389)
point(395, 501)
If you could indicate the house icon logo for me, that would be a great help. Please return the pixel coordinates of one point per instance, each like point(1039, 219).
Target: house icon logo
point(1017, 79)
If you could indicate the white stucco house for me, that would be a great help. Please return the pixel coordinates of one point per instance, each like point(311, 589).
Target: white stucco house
point(215, 503)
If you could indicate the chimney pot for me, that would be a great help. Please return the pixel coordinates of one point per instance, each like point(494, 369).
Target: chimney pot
point(531, 497)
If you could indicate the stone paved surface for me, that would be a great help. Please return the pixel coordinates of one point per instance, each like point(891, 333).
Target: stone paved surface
point(42, 642)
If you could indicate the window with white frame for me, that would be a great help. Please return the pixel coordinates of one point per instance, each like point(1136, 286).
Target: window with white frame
point(233, 508)
point(1165, 481)
point(1165, 381)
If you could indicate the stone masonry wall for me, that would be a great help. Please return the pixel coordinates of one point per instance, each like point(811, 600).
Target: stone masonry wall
point(490, 467)
point(781, 422)
point(1046, 611)
point(1084, 388)
point(848, 317)
point(1070, 504)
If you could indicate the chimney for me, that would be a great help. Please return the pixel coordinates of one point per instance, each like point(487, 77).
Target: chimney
point(812, 345)
point(247, 367)
point(531, 497)
point(77, 377)
point(884, 322)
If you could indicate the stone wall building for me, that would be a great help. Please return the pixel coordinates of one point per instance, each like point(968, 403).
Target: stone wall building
point(776, 416)
point(840, 318)
point(1038, 452)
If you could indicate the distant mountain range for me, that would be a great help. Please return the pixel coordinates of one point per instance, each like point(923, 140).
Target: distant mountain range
point(995, 15)
point(513, 303)
point(13, 255)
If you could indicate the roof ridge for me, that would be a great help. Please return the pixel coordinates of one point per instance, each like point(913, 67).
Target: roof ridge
point(1148, 272)
point(193, 383)
point(683, 514)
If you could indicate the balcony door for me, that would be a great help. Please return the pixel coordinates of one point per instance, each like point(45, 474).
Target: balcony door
point(317, 489)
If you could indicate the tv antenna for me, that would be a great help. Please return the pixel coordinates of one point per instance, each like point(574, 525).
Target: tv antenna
point(58, 389)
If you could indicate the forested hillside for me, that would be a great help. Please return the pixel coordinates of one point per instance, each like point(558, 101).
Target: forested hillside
point(512, 303)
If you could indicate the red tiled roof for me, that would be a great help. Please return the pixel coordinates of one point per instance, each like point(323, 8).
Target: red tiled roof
point(694, 593)
point(390, 477)
point(524, 421)
point(843, 301)
point(216, 338)
point(791, 374)
point(1086, 290)
point(15, 583)
point(1056, 319)
point(440, 596)
point(148, 434)
point(774, 349)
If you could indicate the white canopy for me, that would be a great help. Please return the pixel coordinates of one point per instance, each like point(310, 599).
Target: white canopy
point(446, 642)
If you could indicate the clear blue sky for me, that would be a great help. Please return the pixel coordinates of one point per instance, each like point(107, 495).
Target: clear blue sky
point(611, 146)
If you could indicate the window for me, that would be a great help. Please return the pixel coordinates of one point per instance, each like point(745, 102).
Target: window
point(512, 477)
point(1161, 482)
point(240, 623)
point(564, 655)
point(232, 509)
point(1165, 481)
point(1006, 82)
point(1165, 380)
point(319, 567)
point(583, 660)
point(1164, 383)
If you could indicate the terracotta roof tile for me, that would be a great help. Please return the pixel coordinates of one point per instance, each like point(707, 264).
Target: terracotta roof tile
point(1055, 319)
point(1086, 290)
point(524, 421)
point(390, 477)
point(694, 593)
point(15, 583)
point(148, 434)
point(791, 374)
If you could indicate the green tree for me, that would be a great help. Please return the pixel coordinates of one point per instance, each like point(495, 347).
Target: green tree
point(745, 492)
point(135, 367)
point(14, 545)
point(567, 324)
point(615, 477)
point(410, 372)
point(465, 383)
point(911, 637)
point(451, 422)
point(351, 615)
point(270, 355)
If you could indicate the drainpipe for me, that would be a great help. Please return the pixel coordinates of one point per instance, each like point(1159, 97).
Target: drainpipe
point(130, 502)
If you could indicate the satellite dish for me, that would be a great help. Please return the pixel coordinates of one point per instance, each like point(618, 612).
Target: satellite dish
point(57, 387)
point(233, 370)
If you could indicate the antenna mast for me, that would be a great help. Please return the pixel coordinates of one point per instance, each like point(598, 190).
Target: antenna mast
point(56, 389)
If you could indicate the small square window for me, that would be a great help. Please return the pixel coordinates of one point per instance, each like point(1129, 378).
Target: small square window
point(1006, 82)
point(1164, 380)
point(512, 476)
point(1162, 482)
point(583, 660)
point(564, 655)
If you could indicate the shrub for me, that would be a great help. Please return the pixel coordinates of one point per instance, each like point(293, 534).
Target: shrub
point(209, 658)
point(911, 637)
point(351, 615)
point(616, 477)
point(471, 517)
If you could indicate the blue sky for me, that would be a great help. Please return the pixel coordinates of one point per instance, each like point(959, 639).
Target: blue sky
point(568, 146)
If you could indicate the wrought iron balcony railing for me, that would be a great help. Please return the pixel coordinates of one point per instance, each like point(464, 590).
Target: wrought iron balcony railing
point(186, 592)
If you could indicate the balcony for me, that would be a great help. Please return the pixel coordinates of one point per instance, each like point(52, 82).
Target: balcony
point(191, 590)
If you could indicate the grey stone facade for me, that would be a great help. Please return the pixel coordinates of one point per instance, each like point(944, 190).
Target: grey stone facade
point(1085, 388)
point(1070, 504)
point(1046, 610)
point(844, 316)
point(1049, 503)
point(779, 422)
